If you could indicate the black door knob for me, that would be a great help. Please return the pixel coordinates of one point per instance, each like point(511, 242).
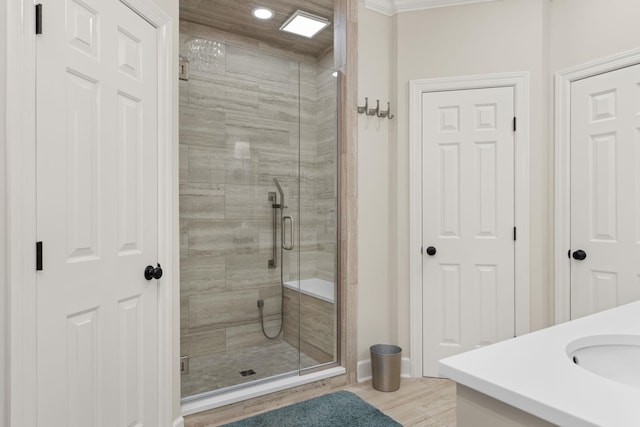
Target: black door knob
point(152, 272)
point(431, 251)
point(579, 255)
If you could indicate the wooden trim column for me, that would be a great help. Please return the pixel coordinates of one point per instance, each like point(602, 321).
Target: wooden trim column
point(346, 55)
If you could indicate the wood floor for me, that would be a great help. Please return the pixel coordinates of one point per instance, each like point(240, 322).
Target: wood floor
point(419, 402)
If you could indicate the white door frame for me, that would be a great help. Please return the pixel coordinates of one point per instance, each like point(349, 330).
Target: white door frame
point(520, 83)
point(21, 211)
point(562, 237)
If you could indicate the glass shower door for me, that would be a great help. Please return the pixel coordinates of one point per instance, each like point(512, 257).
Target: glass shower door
point(239, 217)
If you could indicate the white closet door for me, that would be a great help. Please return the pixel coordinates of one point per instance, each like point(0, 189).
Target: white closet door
point(97, 192)
point(605, 191)
point(468, 219)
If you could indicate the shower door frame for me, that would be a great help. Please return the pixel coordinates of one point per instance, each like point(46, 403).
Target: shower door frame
point(213, 398)
point(346, 64)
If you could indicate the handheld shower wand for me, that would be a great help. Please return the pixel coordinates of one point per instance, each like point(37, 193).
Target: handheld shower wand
point(275, 181)
point(283, 219)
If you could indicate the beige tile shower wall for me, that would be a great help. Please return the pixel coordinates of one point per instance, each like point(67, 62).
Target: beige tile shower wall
point(308, 233)
point(310, 326)
point(240, 126)
point(317, 224)
point(325, 203)
point(238, 130)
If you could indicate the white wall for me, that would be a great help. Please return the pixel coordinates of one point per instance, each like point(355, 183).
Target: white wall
point(585, 30)
point(538, 36)
point(3, 242)
point(377, 293)
point(482, 38)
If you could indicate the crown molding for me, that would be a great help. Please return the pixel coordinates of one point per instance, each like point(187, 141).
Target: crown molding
point(391, 7)
point(386, 7)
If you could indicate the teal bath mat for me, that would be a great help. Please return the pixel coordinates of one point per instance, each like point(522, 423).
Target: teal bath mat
point(341, 408)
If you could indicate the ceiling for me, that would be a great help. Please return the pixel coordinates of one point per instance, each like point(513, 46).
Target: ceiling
point(235, 16)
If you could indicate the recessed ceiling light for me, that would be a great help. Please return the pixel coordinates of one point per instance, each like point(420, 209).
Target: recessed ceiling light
point(262, 13)
point(334, 74)
point(305, 24)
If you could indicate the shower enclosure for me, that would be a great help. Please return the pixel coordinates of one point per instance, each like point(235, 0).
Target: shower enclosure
point(258, 211)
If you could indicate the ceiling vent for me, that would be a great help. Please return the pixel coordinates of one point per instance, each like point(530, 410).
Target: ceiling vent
point(305, 24)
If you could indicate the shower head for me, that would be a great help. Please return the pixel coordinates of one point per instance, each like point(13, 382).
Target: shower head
point(275, 180)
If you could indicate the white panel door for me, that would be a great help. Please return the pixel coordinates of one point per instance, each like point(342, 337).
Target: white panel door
point(468, 221)
point(97, 166)
point(605, 191)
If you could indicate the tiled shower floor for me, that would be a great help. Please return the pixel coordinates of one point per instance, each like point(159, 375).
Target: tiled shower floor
point(214, 371)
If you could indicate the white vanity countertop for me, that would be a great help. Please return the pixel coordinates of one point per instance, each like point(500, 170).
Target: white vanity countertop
point(534, 373)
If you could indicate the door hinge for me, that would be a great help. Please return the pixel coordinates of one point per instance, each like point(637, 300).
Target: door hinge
point(514, 124)
point(39, 18)
point(184, 365)
point(183, 69)
point(514, 233)
point(38, 256)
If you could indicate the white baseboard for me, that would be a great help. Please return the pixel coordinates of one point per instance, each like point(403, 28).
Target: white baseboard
point(363, 372)
point(178, 422)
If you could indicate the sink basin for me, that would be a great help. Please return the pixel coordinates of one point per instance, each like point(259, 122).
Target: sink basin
point(615, 357)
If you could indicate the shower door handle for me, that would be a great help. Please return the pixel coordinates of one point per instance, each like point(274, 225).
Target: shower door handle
point(284, 233)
